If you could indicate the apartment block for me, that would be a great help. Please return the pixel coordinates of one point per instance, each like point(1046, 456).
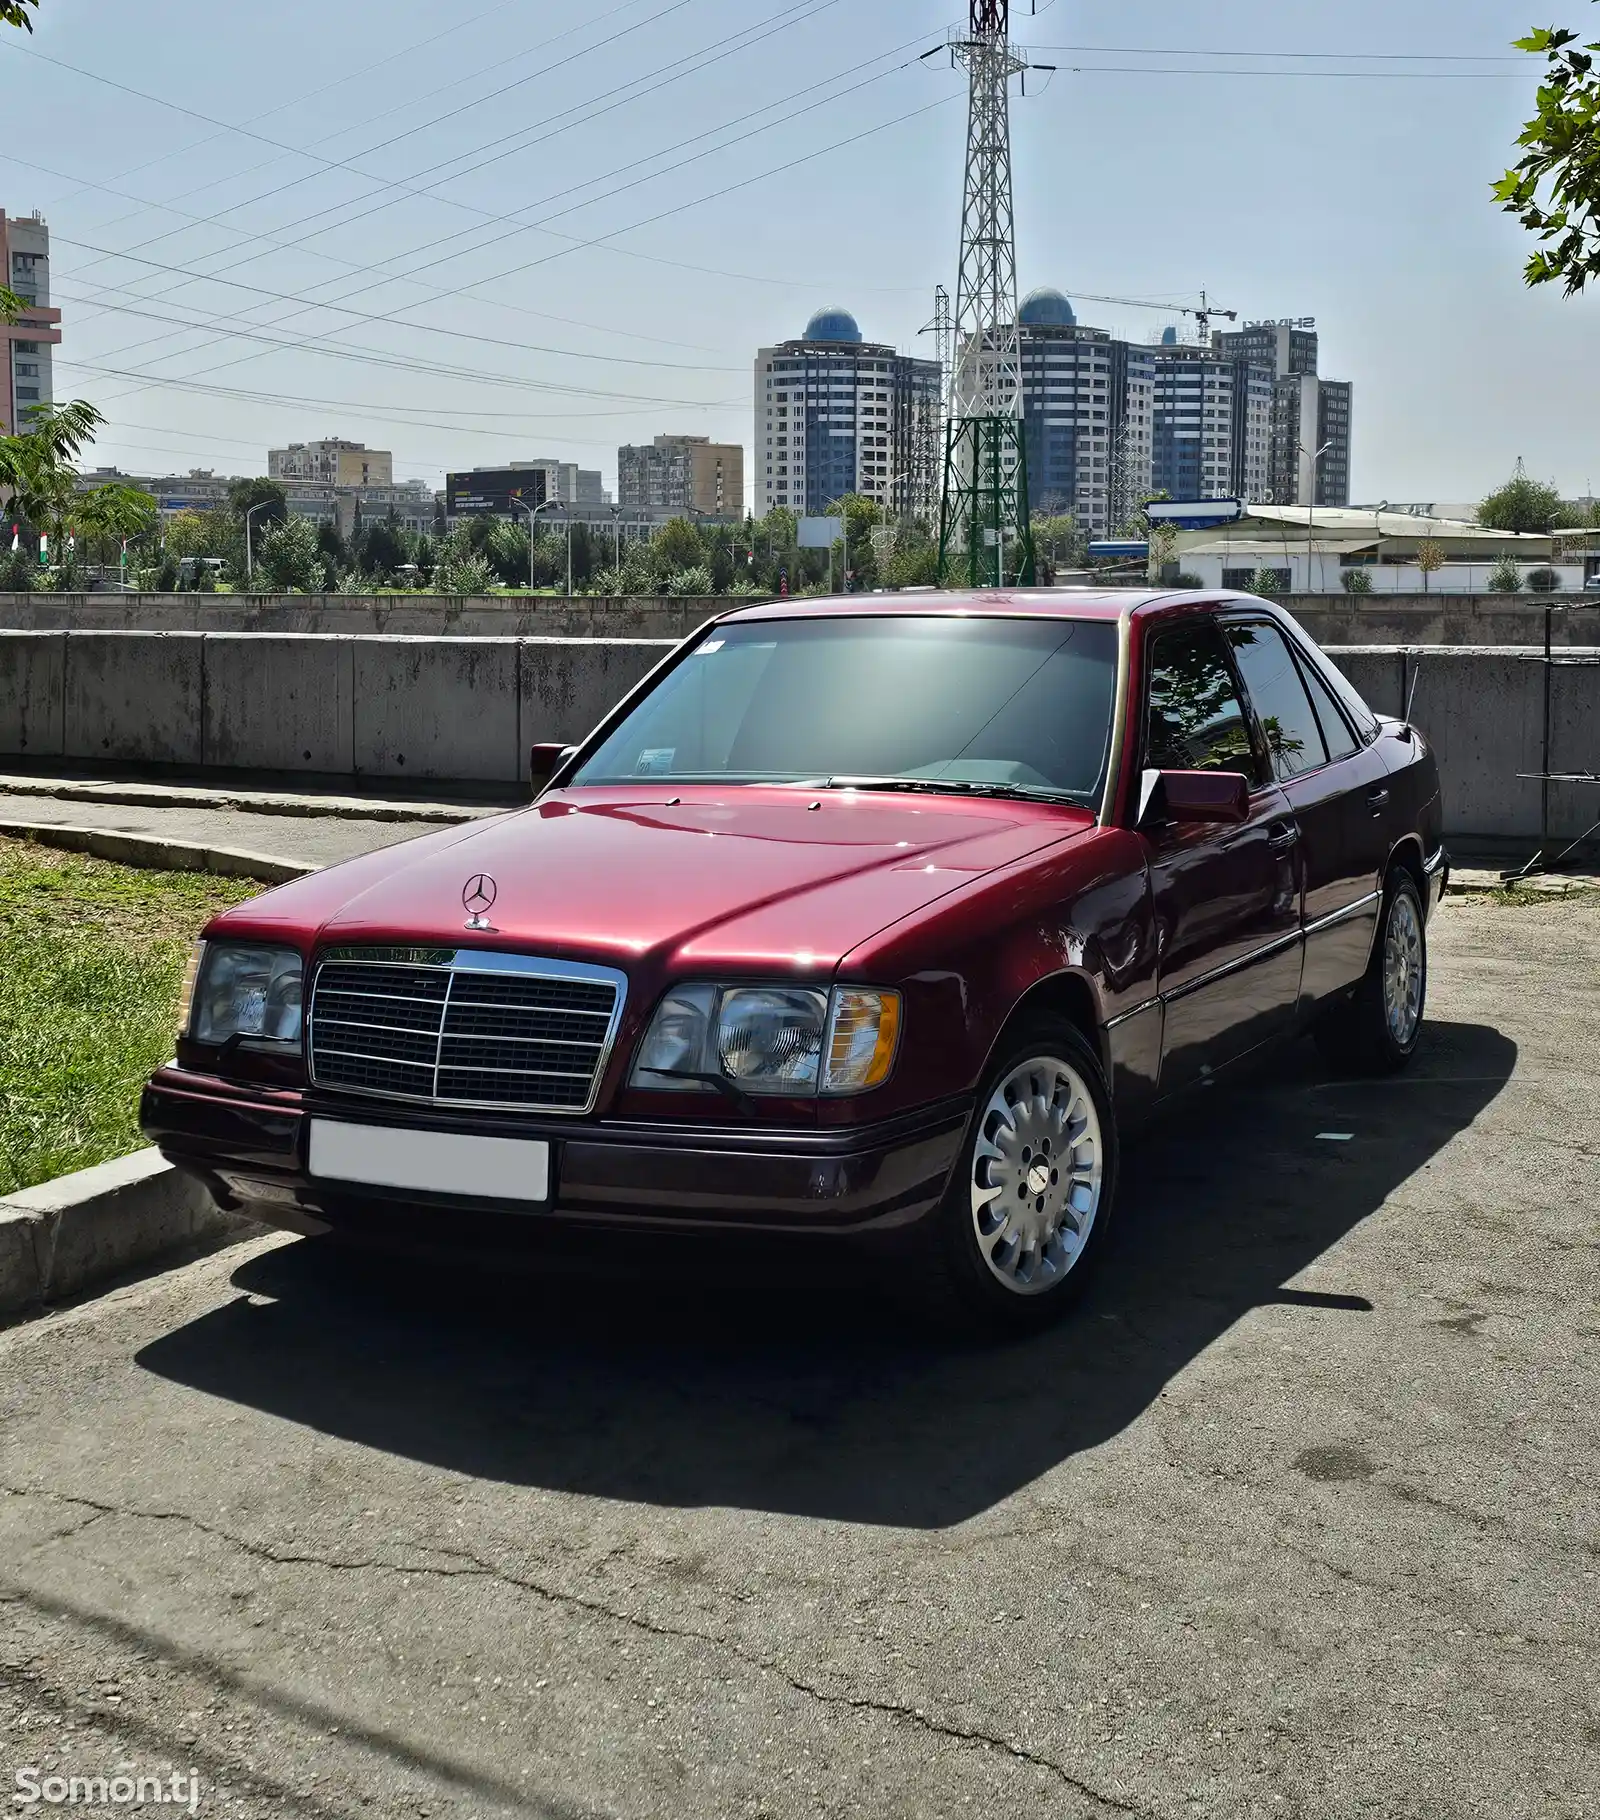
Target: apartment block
point(837, 414)
point(682, 474)
point(26, 376)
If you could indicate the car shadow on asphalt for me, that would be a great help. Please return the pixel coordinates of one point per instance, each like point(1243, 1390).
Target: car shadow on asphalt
point(779, 1377)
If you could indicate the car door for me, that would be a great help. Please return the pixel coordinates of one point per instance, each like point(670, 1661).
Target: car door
point(1338, 790)
point(1226, 897)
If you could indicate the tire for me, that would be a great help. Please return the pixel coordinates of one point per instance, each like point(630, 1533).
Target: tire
point(989, 1266)
point(1376, 1029)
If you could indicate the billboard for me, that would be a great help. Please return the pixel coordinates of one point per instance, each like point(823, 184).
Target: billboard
point(495, 492)
point(1195, 514)
point(818, 533)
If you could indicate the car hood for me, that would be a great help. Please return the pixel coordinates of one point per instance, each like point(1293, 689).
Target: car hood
point(757, 877)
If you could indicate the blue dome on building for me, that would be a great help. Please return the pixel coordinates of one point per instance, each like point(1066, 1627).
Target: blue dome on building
point(833, 325)
point(1046, 309)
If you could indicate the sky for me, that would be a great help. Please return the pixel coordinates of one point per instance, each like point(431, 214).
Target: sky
point(502, 230)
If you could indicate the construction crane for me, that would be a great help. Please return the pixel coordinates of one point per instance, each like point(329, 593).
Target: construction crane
point(1203, 315)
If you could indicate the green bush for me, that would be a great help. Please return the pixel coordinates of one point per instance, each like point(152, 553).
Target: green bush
point(1356, 581)
point(1505, 577)
point(693, 583)
point(457, 573)
point(1545, 581)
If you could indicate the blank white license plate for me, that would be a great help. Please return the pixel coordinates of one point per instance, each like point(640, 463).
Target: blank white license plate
point(431, 1162)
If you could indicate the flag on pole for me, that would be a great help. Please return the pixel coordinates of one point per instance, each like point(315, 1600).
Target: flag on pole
point(44, 547)
point(15, 542)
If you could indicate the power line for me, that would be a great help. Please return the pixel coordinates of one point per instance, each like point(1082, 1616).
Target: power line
point(780, 21)
point(516, 225)
point(379, 357)
point(1143, 50)
point(681, 208)
point(531, 347)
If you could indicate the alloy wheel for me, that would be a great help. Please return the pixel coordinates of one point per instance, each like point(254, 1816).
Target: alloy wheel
point(1037, 1174)
point(1404, 969)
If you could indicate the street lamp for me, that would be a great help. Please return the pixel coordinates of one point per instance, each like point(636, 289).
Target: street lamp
point(1311, 502)
point(616, 532)
point(249, 559)
point(533, 512)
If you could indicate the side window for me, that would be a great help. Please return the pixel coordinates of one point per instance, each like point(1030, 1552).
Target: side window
point(1335, 730)
point(1294, 740)
point(1197, 722)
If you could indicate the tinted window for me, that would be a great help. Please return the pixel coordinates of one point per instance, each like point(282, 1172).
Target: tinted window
point(1341, 741)
point(1197, 722)
point(1023, 703)
point(1279, 697)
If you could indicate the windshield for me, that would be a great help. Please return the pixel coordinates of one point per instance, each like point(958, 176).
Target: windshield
point(1003, 705)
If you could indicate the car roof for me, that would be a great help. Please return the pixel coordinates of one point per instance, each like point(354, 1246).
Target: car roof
point(1051, 603)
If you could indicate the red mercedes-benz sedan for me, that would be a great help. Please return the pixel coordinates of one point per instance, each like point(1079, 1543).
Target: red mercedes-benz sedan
point(873, 915)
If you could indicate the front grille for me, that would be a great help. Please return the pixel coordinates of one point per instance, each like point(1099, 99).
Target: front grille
point(471, 1029)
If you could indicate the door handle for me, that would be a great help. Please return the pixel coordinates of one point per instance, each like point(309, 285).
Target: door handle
point(1283, 837)
point(1378, 799)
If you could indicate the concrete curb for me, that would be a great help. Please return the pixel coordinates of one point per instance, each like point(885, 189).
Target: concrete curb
point(264, 802)
point(82, 1230)
point(160, 855)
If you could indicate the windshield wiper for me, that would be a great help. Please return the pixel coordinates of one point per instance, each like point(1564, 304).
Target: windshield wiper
point(952, 786)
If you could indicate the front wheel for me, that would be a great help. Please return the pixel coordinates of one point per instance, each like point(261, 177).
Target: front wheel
point(1025, 1217)
point(1376, 1029)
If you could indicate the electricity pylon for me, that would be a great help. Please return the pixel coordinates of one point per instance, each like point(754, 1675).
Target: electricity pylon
point(985, 536)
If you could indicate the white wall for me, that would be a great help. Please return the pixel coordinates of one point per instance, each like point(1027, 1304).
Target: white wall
point(1320, 574)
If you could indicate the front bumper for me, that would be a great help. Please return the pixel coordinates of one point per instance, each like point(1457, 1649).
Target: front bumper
point(249, 1146)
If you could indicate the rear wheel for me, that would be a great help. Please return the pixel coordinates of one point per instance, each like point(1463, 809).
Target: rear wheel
point(1025, 1217)
point(1376, 1029)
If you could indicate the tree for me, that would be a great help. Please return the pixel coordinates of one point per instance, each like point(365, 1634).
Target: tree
point(37, 468)
point(245, 495)
point(1430, 559)
point(15, 12)
point(1505, 577)
point(289, 558)
point(679, 545)
point(1554, 189)
point(382, 549)
point(115, 514)
point(1522, 504)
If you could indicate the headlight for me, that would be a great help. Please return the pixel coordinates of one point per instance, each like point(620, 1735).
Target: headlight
point(245, 992)
point(780, 1040)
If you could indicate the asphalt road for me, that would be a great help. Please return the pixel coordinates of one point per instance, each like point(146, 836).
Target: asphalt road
point(1299, 1516)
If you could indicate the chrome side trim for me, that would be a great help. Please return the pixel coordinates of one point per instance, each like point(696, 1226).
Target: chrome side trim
point(1344, 915)
point(1436, 864)
point(1122, 1017)
point(474, 961)
point(1262, 953)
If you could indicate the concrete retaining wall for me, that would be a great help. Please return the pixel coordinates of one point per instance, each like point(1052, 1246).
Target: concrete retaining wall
point(462, 710)
point(1483, 711)
point(466, 710)
point(1461, 619)
point(399, 615)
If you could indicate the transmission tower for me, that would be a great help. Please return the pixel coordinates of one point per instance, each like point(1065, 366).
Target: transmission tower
point(985, 516)
point(929, 414)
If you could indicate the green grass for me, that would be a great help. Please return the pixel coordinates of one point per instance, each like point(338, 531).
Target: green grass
point(91, 966)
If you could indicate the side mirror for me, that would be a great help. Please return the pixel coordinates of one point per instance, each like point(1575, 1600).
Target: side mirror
point(545, 761)
point(1187, 798)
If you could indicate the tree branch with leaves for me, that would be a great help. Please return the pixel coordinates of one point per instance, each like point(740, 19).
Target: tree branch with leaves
point(15, 12)
point(1554, 189)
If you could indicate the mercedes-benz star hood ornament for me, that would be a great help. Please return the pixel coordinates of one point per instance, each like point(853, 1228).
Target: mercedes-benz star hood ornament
point(478, 900)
